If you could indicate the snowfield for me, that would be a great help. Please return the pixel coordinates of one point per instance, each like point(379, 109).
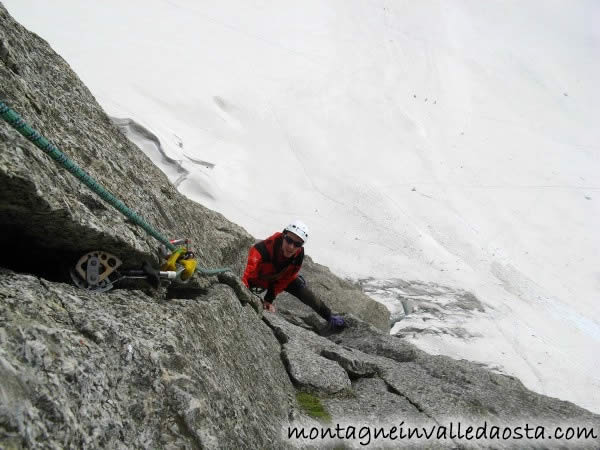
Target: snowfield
point(445, 153)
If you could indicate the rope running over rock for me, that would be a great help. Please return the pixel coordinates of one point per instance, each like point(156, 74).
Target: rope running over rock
point(13, 119)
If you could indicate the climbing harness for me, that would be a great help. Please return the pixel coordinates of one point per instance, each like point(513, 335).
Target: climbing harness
point(256, 290)
point(97, 270)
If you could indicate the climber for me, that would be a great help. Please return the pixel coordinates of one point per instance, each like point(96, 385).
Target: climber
point(273, 265)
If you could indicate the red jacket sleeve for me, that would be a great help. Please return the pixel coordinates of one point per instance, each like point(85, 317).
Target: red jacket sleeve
point(252, 266)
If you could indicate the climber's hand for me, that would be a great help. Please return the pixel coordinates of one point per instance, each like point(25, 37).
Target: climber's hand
point(269, 306)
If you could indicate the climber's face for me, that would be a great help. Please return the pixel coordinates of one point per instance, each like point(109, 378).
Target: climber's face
point(291, 244)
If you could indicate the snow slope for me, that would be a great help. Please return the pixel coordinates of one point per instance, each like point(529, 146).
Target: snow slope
point(450, 143)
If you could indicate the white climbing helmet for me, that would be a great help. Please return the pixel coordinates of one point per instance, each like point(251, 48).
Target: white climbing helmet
point(298, 228)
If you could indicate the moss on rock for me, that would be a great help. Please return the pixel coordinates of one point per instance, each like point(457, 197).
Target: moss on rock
point(313, 407)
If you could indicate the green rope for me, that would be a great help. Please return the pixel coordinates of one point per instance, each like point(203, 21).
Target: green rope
point(51, 150)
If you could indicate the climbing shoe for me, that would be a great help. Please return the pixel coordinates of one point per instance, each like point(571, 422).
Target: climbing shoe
point(337, 322)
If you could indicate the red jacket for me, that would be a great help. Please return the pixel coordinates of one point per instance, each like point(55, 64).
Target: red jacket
point(268, 268)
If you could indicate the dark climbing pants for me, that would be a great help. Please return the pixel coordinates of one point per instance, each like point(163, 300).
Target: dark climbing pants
point(299, 290)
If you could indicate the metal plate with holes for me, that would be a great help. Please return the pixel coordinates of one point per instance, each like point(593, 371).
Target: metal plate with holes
point(93, 270)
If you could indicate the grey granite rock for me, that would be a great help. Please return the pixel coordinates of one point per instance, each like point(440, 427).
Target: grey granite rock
point(371, 402)
point(379, 343)
point(241, 291)
point(287, 332)
point(313, 373)
point(356, 363)
point(120, 370)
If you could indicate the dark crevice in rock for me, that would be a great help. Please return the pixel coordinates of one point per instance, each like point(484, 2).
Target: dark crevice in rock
point(355, 370)
point(185, 431)
point(23, 251)
point(280, 335)
point(391, 389)
point(168, 219)
point(32, 101)
point(49, 408)
point(44, 242)
point(52, 266)
point(39, 240)
point(241, 292)
point(67, 310)
point(355, 376)
point(93, 203)
point(286, 364)
point(282, 338)
point(30, 233)
point(186, 293)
